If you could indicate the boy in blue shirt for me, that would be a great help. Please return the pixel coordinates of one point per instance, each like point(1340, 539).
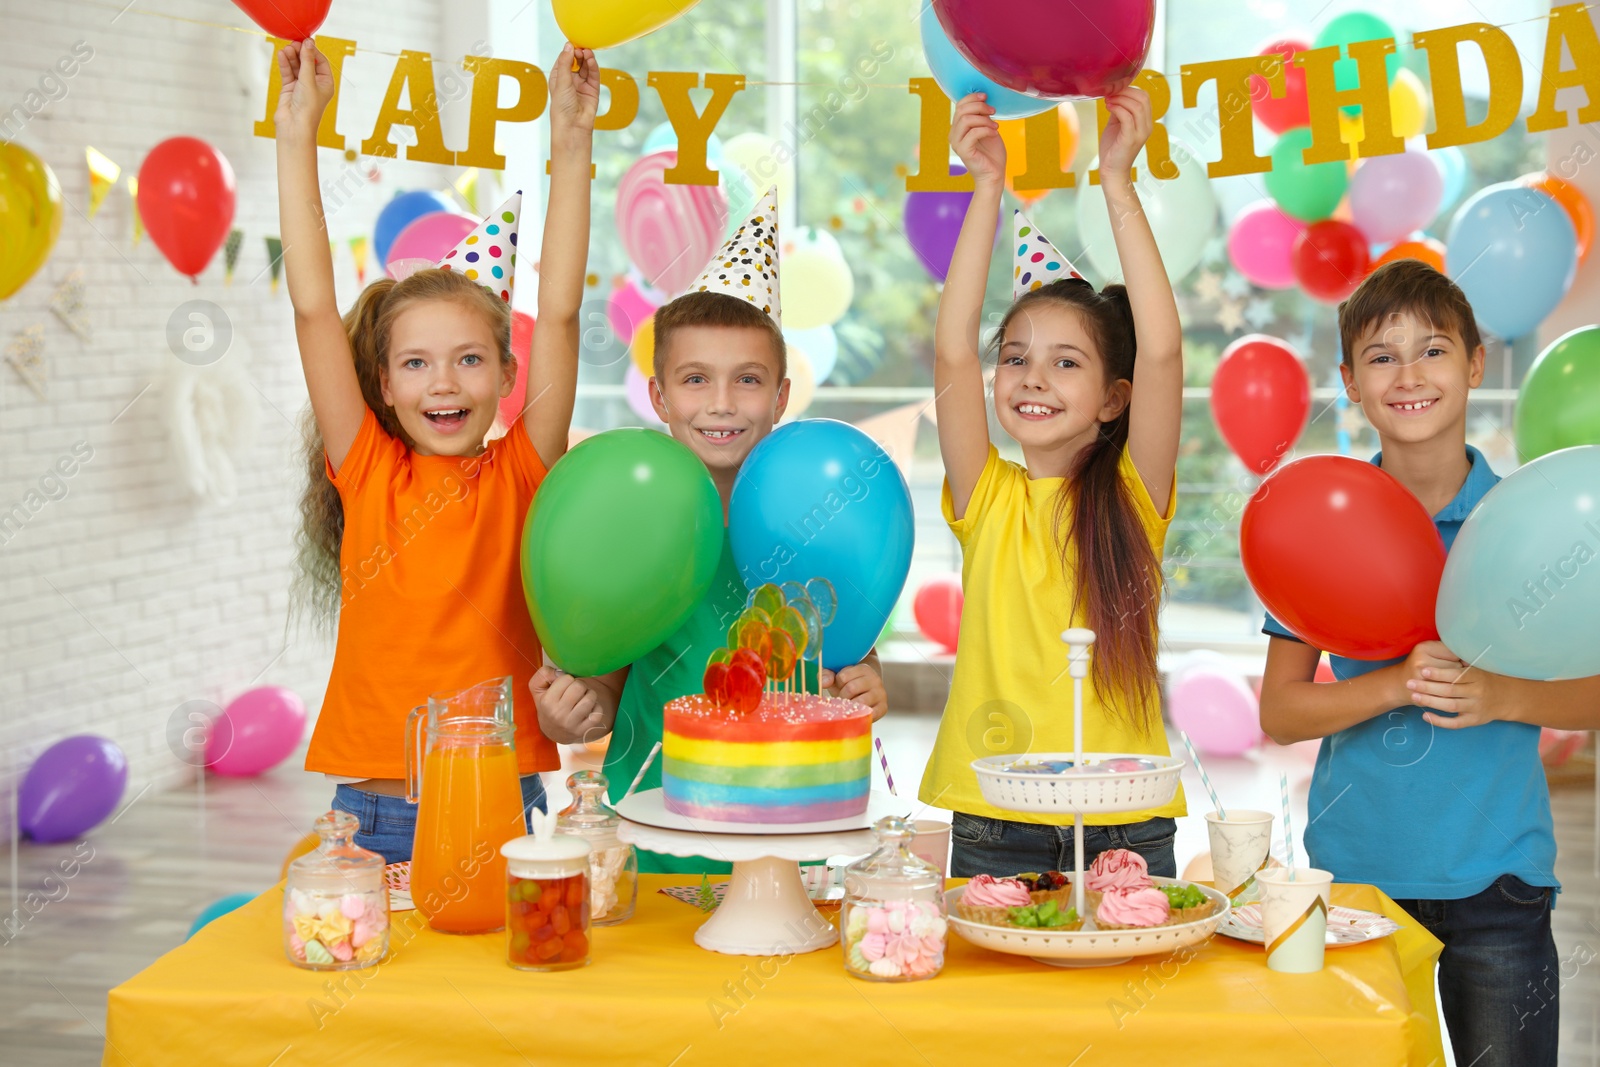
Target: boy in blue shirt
point(1453, 823)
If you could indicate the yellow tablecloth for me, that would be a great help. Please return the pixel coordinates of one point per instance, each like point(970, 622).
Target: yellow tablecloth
point(652, 997)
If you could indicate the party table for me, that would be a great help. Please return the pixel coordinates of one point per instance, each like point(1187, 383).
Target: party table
point(228, 996)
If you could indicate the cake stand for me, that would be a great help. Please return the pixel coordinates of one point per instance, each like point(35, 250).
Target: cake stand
point(1077, 791)
point(766, 911)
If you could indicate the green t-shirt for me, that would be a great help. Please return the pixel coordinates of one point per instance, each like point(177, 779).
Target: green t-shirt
point(673, 669)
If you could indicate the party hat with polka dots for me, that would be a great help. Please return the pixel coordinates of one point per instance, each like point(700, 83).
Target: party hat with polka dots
point(747, 265)
point(488, 254)
point(1038, 262)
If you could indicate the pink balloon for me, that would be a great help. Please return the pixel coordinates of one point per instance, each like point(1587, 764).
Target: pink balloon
point(1217, 710)
point(431, 236)
point(627, 309)
point(522, 348)
point(258, 731)
point(1259, 244)
point(670, 232)
point(637, 387)
point(1392, 195)
point(1051, 49)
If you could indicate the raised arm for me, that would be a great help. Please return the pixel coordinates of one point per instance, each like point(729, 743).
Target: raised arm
point(957, 362)
point(330, 368)
point(1156, 412)
point(564, 257)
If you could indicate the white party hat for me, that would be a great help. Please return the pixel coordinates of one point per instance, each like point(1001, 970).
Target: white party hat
point(747, 265)
point(1037, 261)
point(488, 254)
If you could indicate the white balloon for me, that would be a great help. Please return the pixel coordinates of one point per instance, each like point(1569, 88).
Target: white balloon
point(1182, 213)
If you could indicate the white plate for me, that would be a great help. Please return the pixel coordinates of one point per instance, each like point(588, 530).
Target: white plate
point(1091, 948)
point(1076, 791)
point(649, 808)
point(1346, 926)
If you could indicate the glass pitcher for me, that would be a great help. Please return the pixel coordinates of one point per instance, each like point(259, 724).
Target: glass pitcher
point(461, 768)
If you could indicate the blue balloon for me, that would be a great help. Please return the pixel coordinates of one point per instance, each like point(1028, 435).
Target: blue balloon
point(957, 76)
point(217, 909)
point(400, 212)
point(1521, 588)
point(1456, 171)
point(664, 138)
point(820, 499)
point(1514, 253)
point(821, 346)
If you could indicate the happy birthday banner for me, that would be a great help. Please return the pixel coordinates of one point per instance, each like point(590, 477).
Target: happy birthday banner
point(1239, 83)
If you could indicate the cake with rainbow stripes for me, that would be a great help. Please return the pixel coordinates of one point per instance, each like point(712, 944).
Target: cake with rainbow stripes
point(793, 758)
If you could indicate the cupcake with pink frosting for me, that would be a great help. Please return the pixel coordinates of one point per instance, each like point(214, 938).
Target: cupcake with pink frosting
point(1132, 909)
point(989, 900)
point(1114, 870)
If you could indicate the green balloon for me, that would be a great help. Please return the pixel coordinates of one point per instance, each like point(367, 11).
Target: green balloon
point(621, 543)
point(1347, 29)
point(1306, 192)
point(1558, 405)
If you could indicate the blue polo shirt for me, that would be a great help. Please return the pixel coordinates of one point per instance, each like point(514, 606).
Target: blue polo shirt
point(1422, 812)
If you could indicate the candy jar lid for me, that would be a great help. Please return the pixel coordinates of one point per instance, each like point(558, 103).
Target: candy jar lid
point(544, 853)
point(892, 869)
point(337, 854)
point(588, 815)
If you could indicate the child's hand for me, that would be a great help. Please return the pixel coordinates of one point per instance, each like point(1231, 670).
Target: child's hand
point(1126, 131)
point(975, 136)
point(307, 87)
point(860, 683)
point(569, 712)
point(1469, 693)
point(575, 94)
point(1428, 656)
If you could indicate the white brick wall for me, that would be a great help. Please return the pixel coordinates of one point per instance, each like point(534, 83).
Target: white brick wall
point(125, 598)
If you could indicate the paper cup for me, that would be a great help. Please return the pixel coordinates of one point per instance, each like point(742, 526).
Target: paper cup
point(932, 843)
point(1294, 917)
point(1239, 847)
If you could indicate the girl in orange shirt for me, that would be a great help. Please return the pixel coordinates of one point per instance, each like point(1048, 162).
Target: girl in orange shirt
point(412, 518)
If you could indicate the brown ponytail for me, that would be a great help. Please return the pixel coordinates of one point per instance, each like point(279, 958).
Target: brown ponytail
point(1118, 582)
point(314, 593)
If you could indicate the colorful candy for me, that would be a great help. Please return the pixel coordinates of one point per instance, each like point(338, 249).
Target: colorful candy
point(792, 623)
point(781, 655)
point(895, 939)
point(338, 930)
point(820, 590)
point(547, 922)
point(768, 598)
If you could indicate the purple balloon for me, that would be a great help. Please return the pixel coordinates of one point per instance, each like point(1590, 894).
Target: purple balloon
point(71, 788)
point(933, 223)
point(1392, 195)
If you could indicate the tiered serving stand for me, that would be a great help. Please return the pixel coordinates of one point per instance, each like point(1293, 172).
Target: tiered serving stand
point(1078, 790)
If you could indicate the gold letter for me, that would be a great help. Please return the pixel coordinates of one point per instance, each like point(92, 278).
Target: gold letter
point(1235, 114)
point(693, 129)
point(1325, 100)
point(1569, 23)
point(624, 106)
point(1449, 102)
point(1157, 151)
point(933, 169)
point(414, 69)
point(335, 48)
point(487, 113)
point(1041, 142)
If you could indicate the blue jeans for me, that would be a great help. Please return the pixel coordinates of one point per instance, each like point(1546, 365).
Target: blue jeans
point(389, 824)
point(1499, 976)
point(1000, 847)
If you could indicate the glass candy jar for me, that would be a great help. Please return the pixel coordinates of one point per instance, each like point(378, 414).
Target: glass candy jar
point(613, 864)
point(547, 899)
point(893, 917)
point(335, 902)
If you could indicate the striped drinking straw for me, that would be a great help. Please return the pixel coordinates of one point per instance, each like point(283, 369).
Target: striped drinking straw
point(883, 759)
point(1288, 834)
point(1194, 757)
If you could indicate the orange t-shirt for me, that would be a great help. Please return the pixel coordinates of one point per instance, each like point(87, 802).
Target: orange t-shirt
point(431, 595)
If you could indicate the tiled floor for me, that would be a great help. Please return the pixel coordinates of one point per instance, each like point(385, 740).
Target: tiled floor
point(169, 854)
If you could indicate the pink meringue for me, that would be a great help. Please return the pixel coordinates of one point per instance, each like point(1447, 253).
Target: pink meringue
point(1134, 907)
point(985, 891)
point(1117, 869)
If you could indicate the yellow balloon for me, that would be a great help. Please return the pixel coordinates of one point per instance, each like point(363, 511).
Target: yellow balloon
point(1352, 130)
point(607, 23)
point(1408, 104)
point(30, 215)
point(643, 347)
point(817, 283)
point(765, 162)
point(802, 384)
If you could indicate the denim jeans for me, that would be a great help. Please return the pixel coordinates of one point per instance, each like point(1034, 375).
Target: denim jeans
point(388, 824)
point(1499, 976)
point(1000, 847)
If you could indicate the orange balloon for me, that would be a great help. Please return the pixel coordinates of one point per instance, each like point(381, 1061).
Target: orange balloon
point(1016, 149)
point(1572, 201)
point(1428, 250)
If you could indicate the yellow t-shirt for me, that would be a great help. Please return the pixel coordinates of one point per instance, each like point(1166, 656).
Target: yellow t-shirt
point(1011, 692)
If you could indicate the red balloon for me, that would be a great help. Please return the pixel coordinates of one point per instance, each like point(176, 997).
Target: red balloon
point(1344, 556)
point(291, 20)
point(1050, 49)
point(937, 608)
point(186, 197)
point(1330, 258)
point(522, 348)
point(1324, 672)
point(1260, 396)
point(1280, 113)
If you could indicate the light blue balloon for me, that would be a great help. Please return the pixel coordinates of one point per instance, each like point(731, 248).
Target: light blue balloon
point(820, 499)
point(1521, 588)
point(1456, 171)
point(1514, 253)
point(820, 344)
point(217, 909)
point(958, 77)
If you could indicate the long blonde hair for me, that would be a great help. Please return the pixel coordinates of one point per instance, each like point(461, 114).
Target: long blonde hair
point(314, 595)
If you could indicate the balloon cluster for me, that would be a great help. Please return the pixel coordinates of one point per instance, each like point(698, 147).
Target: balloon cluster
point(779, 629)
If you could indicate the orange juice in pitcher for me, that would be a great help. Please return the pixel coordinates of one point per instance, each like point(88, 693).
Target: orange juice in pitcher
point(470, 803)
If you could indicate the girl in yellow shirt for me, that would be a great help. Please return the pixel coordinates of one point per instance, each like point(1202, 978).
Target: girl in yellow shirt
point(1073, 537)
